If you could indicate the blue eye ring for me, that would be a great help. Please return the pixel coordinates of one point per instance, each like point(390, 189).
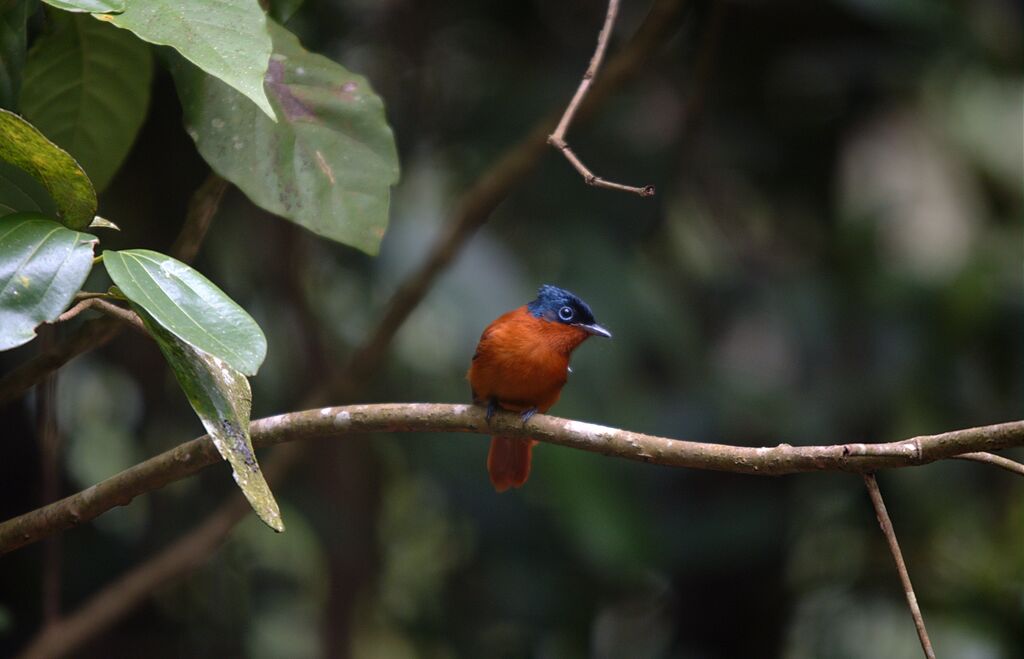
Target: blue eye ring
point(566, 314)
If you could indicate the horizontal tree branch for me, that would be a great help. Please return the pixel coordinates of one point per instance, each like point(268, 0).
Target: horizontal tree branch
point(188, 458)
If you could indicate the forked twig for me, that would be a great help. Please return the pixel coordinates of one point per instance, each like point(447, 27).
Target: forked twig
point(995, 460)
point(557, 138)
point(901, 567)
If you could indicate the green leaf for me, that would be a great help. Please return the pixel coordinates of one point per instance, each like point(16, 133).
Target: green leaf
point(86, 88)
point(89, 6)
point(188, 305)
point(42, 266)
point(20, 192)
point(327, 164)
point(13, 40)
point(23, 146)
point(221, 397)
point(228, 39)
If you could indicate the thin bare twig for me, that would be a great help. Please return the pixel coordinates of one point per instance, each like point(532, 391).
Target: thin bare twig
point(83, 305)
point(996, 460)
point(188, 458)
point(557, 138)
point(901, 567)
point(112, 310)
point(100, 331)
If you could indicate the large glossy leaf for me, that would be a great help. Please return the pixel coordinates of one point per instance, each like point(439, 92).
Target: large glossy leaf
point(327, 164)
point(20, 192)
point(13, 40)
point(189, 305)
point(221, 397)
point(23, 146)
point(89, 6)
point(86, 88)
point(228, 39)
point(42, 266)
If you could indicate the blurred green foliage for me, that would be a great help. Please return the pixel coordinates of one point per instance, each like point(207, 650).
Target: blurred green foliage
point(834, 255)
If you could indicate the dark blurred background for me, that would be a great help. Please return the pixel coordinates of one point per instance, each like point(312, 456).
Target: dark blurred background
point(834, 254)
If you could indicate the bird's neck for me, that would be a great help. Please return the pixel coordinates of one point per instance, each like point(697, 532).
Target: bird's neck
point(562, 339)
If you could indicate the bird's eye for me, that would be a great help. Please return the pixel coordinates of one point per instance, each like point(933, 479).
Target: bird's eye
point(566, 313)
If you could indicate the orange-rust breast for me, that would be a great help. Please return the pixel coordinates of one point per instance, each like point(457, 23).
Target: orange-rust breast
point(523, 361)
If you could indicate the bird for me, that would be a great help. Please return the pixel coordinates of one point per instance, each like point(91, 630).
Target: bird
point(521, 364)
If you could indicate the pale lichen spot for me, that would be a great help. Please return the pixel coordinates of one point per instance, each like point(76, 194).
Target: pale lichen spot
point(217, 123)
point(587, 430)
point(342, 418)
point(325, 411)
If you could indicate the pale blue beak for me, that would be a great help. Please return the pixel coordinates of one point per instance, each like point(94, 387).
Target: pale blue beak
point(596, 330)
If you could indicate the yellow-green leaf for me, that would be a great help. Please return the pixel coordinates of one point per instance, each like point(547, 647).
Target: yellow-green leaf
point(22, 145)
point(221, 398)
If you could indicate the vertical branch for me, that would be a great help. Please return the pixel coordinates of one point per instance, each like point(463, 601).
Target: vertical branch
point(49, 464)
point(201, 208)
point(901, 567)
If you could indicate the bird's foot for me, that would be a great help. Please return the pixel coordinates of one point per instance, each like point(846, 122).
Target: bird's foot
point(526, 415)
point(492, 407)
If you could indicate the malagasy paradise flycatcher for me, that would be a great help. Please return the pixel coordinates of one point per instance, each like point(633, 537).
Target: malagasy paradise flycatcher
point(521, 364)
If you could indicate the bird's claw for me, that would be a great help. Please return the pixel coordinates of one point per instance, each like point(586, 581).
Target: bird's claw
point(492, 407)
point(526, 415)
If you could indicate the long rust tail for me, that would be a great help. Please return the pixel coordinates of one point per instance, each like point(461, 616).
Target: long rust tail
point(508, 461)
